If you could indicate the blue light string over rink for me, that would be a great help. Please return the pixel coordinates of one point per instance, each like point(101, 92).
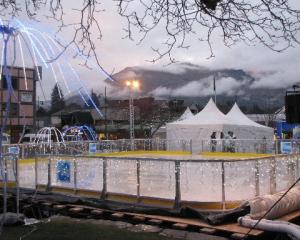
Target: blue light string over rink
point(26, 34)
point(72, 69)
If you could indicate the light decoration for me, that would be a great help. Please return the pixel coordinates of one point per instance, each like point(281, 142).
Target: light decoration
point(49, 135)
point(79, 133)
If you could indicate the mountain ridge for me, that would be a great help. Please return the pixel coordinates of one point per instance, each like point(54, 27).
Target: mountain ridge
point(194, 84)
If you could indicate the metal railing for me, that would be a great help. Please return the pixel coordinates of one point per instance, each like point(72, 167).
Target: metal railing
point(125, 145)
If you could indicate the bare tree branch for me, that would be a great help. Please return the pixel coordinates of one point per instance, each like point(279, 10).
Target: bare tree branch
point(272, 23)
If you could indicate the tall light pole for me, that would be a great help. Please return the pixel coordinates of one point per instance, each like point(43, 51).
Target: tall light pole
point(132, 85)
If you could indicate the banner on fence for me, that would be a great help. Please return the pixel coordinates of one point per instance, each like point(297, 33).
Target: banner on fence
point(92, 147)
point(14, 150)
point(63, 171)
point(286, 147)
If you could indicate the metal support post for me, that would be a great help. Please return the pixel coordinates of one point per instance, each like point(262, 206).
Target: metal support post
point(291, 171)
point(36, 172)
point(138, 181)
point(18, 187)
point(104, 178)
point(75, 176)
point(297, 167)
point(4, 189)
point(49, 175)
point(276, 146)
point(22, 151)
point(273, 175)
point(177, 185)
point(257, 190)
point(223, 186)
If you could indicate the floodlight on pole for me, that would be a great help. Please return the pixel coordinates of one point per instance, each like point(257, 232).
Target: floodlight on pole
point(132, 85)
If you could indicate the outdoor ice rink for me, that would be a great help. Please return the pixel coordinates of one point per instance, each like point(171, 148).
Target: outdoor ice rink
point(201, 179)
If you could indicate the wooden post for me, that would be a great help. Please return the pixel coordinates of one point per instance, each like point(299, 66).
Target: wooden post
point(104, 178)
point(257, 190)
point(138, 181)
point(177, 185)
point(223, 186)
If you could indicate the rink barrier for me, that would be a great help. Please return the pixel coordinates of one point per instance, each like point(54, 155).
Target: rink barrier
point(290, 163)
point(149, 201)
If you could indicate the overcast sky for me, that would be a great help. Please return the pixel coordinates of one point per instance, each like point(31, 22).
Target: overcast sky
point(272, 68)
point(115, 53)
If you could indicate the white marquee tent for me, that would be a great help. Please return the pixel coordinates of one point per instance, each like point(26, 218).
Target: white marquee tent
point(161, 132)
point(200, 127)
point(187, 114)
point(252, 130)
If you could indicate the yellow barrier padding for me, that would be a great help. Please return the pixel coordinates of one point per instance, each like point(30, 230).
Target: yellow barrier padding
point(121, 198)
point(119, 154)
point(8, 184)
point(27, 161)
point(41, 159)
point(234, 155)
point(211, 205)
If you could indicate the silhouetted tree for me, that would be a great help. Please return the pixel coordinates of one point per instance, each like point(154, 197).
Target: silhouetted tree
point(57, 99)
point(95, 99)
point(41, 112)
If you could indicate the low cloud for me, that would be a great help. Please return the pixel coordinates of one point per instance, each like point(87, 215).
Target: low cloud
point(175, 68)
point(204, 87)
point(283, 78)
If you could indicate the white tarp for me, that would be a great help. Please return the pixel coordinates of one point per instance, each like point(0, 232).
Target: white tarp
point(200, 127)
point(260, 205)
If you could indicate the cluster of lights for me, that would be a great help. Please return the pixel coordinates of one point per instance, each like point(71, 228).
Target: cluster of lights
point(133, 84)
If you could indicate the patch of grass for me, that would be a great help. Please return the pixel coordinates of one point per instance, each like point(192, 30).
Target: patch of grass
point(73, 229)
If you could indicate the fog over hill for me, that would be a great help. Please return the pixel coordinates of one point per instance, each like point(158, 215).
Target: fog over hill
point(194, 84)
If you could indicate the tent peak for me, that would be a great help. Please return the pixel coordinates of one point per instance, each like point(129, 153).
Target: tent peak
point(236, 115)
